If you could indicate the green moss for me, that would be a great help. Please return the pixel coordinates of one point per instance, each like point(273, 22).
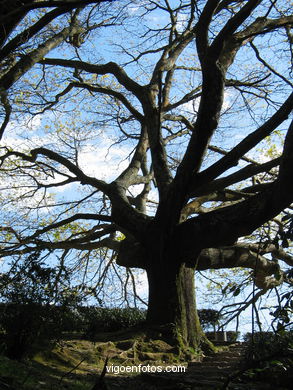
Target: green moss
point(75, 364)
point(31, 375)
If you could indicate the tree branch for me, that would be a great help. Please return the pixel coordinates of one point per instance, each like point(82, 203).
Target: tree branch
point(231, 26)
point(98, 89)
point(226, 225)
point(129, 175)
point(28, 33)
point(34, 153)
point(202, 28)
point(79, 216)
point(109, 68)
point(243, 174)
point(235, 256)
point(231, 158)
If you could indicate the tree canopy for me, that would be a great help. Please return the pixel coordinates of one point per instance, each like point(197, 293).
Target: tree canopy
point(185, 100)
point(24, 40)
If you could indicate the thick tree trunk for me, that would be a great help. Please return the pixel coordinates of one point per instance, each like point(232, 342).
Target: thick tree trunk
point(172, 307)
point(172, 314)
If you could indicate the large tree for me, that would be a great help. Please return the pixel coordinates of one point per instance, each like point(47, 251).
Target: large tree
point(193, 78)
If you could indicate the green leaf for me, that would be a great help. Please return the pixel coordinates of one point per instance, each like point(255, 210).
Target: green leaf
point(237, 292)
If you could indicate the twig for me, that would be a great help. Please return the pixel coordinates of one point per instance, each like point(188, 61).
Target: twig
point(69, 372)
point(100, 384)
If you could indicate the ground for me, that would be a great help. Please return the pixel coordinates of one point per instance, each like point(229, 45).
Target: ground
point(76, 364)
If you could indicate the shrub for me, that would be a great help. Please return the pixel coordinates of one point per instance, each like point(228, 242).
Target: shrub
point(99, 319)
point(269, 358)
point(21, 325)
point(232, 335)
point(209, 318)
point(26, 311)
point(268, 345)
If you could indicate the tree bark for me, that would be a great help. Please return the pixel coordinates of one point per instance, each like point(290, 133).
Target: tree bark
point(172, 306)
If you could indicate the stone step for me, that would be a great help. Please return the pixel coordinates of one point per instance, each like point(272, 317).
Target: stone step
point(221, 359)
point(238, 348)
point(212, 371)
point(217, 369)
point(209, 374)
point(206, 376)
point(214, 364)
point(210, 365)
point(231, 354)
point(244, 386)
point(206, 384)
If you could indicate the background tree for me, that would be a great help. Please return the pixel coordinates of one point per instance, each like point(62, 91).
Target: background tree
point(203, 75)
point(35, 300)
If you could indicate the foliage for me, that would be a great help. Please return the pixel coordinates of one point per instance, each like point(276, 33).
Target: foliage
point(209, 318)
point(232, 335)
point(269, 357)
point(27, 311)
point(24, 325)
point(100, 319)
point(283, 312)
point(263, 346)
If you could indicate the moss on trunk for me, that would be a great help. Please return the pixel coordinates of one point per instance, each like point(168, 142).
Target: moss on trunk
point(172, 308)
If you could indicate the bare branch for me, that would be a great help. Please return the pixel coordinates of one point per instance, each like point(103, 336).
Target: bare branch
point(235, 256)
point(231, 159)
point(109, 68)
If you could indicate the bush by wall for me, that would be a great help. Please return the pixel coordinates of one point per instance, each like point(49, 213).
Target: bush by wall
point(209, 318)
point(99, 319)
point(268, 345)
point(22, 325)
point(231, 335)
point(269, 358)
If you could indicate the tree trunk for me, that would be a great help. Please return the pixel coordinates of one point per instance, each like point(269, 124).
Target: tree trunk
point(172, 314)
point(172, 307)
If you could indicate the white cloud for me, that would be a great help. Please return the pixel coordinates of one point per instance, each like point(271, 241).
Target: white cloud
point(182, 20)
point(142, 285)
point(132, 9)
point(104, 161)
point(22, 128)
point(193, 105)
